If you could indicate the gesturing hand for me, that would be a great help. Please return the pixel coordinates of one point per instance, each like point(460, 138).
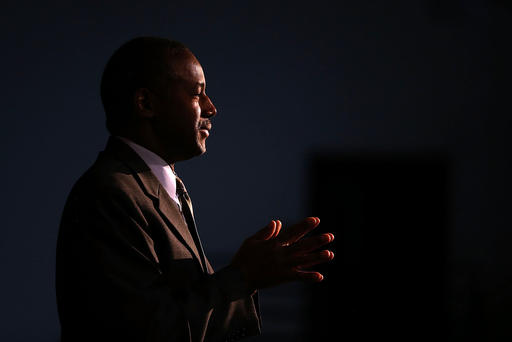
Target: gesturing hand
point(269, 258)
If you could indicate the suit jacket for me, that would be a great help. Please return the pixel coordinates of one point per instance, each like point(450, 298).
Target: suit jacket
point(128, 268)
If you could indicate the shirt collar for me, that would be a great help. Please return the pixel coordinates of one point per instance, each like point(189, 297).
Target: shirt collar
point(160, 168)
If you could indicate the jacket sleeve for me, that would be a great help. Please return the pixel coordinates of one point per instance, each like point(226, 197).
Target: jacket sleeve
point(110, 285)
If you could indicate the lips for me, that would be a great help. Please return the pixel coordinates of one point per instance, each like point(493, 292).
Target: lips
point(206, 126)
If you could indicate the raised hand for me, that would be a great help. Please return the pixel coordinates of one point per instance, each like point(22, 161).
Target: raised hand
point(271, 257)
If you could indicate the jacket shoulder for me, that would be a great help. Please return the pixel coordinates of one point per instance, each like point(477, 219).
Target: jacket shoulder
point(104, 176)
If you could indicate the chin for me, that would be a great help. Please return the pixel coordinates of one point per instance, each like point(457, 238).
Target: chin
point(191, 152)
point(199, 150)
point(201, 147)
point(202, 150)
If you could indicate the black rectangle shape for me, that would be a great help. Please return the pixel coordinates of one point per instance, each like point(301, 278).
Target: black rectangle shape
point(389, 213)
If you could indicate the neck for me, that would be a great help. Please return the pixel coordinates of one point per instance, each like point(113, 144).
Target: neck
point(151, 144)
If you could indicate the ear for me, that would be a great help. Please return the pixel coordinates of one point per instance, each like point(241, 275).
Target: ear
point(143, 101)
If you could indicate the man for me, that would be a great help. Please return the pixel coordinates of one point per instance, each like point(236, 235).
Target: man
point(130, 265)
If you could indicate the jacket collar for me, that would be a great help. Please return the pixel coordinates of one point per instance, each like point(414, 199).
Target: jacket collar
point(119, 150)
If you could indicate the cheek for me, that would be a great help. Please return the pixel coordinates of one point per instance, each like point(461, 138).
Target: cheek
point(197, 110)
point(186, 115)
point(195, 115)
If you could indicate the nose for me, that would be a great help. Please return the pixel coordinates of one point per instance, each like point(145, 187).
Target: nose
point(208, 109)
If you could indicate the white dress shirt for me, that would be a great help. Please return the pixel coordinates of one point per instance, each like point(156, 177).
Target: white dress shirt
point(160, 168)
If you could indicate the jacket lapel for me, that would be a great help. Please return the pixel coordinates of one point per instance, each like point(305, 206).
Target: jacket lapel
point(152, 188)
point(170, 211)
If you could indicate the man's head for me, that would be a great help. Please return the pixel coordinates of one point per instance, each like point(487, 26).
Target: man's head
point(153, 91)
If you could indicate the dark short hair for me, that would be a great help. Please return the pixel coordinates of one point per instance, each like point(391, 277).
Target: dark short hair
point(138, 63)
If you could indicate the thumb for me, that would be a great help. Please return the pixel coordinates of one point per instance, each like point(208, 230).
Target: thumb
point(267, 232)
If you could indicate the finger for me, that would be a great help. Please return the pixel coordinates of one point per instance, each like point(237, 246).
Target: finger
point(312, 259)
point(294, 233)
point(279, 225)
point(309, 276)
point(310, 244)
point(266, 233)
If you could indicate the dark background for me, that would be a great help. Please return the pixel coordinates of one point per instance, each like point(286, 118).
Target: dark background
point(388, 119)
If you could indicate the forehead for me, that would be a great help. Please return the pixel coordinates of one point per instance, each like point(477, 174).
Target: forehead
point(186, 67)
